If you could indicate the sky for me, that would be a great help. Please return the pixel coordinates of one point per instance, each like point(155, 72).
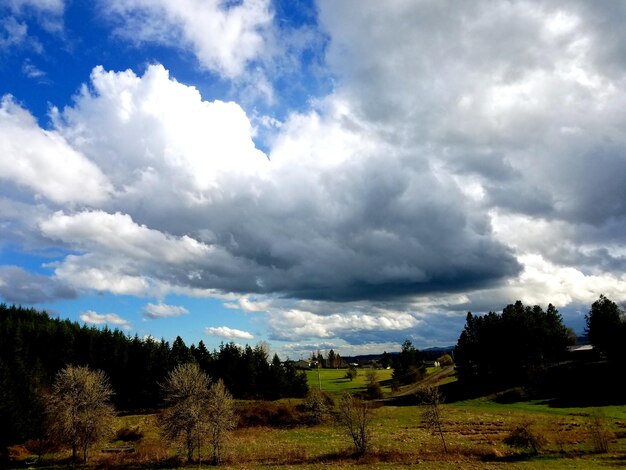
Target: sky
point(313, 174)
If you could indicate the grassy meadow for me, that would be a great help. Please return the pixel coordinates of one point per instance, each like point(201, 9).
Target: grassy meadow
point(474, 431)
point(334, 380)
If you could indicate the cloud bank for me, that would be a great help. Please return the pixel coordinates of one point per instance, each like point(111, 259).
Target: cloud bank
point(467, 156)
point(317, 218)
point(19, 286)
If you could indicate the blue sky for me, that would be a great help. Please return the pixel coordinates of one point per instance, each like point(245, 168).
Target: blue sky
point(314, 175)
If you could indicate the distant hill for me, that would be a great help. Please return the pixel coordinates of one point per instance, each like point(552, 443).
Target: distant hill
point(429, 353)
point(438, 350)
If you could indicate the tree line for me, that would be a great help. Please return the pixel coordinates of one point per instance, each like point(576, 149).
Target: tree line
point(505, 348)
point(606, 328)
point(520, 344)
point(34, 347)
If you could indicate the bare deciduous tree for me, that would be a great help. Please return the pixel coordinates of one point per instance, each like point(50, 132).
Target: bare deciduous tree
point(355, 416)
point(78, 408)
point(221, 418)
point(186, 391)
point(430, 399)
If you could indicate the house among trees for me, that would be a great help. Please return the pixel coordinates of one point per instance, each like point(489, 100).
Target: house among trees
point(433, 363)
point(583, 352)
point(301, 364)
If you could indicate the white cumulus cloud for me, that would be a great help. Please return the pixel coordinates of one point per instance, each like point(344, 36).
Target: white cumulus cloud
point(161, 310)
point(95, 318)
point(149, 132)
point(228, 333)
point(225, 37)
point(118, 233)
point(45, 162)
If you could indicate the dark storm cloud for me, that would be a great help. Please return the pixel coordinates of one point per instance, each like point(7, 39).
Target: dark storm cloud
point(371, 234)
point(594, 182)
point(522, 94)
point(377, 223)
point(23, 287)
point(604, 21)
point(378, 336)
point(521, 197)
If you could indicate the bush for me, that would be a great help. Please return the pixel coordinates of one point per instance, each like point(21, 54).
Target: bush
point(374, 391)
point(432, 412)
point(414, 374)
point(129, 434)
point(445, 360)
point(512, 395)
point(317, 405)
point(355, 416)
point(524, 437)
point(270, 414)
point(600, 434)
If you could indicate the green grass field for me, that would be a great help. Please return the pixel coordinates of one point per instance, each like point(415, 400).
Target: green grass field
point(335, 381)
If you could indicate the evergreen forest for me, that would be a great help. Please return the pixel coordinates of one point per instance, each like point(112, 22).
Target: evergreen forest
point(34, 347)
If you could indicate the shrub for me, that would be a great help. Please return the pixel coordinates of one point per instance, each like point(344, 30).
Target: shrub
point(354, 416)
point(414, 374)
point(129, 434)
point(432, 412)
point(512, 395)
point(270, 414)
point(445, 360)
point(524, 437)
point(317, 405)
point(598, 430)
point(374, 391)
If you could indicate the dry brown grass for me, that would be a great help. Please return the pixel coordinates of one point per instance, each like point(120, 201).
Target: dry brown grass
point(256, 445)
point(475, 438)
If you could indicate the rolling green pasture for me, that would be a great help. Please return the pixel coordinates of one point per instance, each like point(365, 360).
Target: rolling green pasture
point(335, 381)
point(538, 408)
